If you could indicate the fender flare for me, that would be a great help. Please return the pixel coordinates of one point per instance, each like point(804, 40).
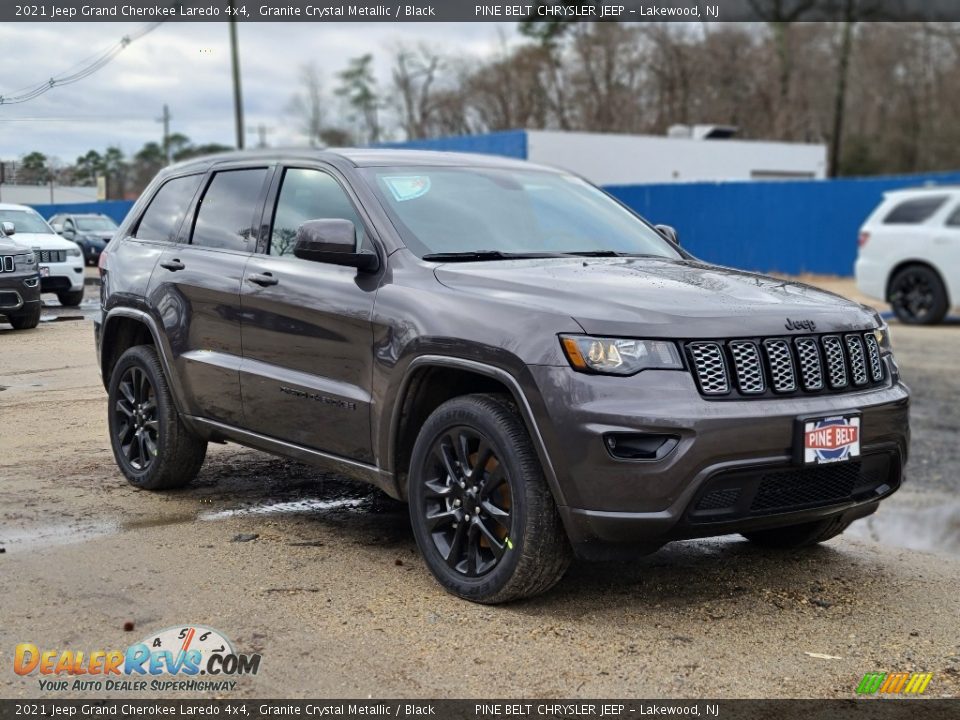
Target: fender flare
point(492, 371)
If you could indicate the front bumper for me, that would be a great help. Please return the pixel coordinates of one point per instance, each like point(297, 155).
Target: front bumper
point(645, 503)
point(63, 277)
point(18, 293)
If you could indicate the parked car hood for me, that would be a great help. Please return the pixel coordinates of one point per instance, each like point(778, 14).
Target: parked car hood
point(44, 241)
point(658, 297)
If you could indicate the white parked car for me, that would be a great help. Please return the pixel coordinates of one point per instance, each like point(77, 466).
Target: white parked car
point(909, 253)
point(61, 261)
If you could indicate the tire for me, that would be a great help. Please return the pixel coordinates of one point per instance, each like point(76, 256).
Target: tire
point(164, 455)
point(514, 545)
point(70, 298)
point(798, 536)
point(26, 321)
point(918, 296)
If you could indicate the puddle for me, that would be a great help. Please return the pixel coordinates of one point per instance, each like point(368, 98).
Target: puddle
point(294, 507)
point(66, 534)
point(914, 522)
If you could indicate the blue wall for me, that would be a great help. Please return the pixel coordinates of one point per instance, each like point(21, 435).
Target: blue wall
point(509, 143)
point(772, 226)
point(117, 209)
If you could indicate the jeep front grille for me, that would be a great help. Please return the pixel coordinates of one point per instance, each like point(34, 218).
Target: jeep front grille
point(770, 367)
point(52, 256)
point(7, 264)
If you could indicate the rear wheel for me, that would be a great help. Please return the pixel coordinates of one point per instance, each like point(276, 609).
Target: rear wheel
point(26, 320)
point(482, 514)
point(70, 298)
point(797, 536)
point(918, 296)
point(151, 445)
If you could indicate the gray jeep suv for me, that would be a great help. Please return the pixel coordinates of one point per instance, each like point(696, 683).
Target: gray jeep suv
point(534, 368)
point(19, 281)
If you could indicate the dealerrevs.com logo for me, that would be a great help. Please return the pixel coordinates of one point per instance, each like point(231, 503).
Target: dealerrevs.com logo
point(183, 658)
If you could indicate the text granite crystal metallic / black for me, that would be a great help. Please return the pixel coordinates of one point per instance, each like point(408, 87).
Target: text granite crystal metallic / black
point(534, 368)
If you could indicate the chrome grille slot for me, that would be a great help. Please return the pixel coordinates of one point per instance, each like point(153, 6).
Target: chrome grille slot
point(782, 373)
point(747, 367)
point(52, 256)
point(811, 369)
point(710, 368)
point(836, 364)
point(873, 354)
point(858, 365)
point(6, 263)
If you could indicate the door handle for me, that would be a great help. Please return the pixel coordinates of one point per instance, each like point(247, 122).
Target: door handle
point(173, 265)
point(263, 280)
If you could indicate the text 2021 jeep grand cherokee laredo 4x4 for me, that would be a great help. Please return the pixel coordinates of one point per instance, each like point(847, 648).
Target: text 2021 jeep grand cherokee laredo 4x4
point(529, 364)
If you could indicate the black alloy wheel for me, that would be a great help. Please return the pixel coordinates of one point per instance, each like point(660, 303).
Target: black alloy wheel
point(918, 296)
point(137, 425)
point(467, 502)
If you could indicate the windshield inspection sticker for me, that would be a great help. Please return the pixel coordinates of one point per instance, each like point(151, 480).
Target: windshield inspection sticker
point(407, 187)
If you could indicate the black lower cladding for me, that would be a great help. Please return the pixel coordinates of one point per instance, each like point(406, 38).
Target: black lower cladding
point(56, 283)
point(755, 492)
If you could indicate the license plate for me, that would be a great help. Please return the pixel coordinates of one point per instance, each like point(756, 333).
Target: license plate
point(44, 271)
point(830, 439)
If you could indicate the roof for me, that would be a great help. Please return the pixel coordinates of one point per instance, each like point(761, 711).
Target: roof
point(16, 206)
point(920, 189)
point(370, 157)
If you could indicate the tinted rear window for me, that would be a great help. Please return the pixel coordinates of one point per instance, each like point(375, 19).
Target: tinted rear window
point(165, 212)
point(914, 211)
point(226, 215)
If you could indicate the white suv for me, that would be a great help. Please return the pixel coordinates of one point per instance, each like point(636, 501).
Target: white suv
point(910, 253)
point(61, 261)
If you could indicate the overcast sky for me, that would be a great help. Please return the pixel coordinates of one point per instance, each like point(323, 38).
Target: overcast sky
point(187, 66)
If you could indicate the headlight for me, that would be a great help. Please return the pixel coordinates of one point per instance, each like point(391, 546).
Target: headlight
point(882, 334)
point(619, 356)
point(74, 252)
point(25, 261)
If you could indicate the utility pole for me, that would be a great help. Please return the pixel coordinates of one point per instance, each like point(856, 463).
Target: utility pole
point(165, 119)
point(237, 96)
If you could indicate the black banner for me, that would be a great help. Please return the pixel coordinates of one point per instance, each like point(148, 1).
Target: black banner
point(864, 709)
point(477, 10)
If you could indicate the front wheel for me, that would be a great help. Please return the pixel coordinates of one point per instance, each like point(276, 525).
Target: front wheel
point(798, 536)
point(26, 320)
point(70, 298)
point(482, 514)
point(151, 445)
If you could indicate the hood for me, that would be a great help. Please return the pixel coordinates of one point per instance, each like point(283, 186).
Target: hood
point(101, 235)
point(44, 241)
point(9, 246)
point(659, 297)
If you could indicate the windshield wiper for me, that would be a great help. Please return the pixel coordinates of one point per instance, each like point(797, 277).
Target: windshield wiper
point(471, 255)
point(606, 253)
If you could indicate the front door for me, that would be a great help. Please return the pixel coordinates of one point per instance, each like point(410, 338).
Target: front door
point(307, 337)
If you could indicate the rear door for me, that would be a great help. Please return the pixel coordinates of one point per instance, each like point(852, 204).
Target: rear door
point(195, 288)
point(307, 337)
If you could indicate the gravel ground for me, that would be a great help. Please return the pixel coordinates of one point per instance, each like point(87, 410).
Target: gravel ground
point(322, 578)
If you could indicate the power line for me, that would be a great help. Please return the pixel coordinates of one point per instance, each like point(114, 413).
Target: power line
point(73, 75)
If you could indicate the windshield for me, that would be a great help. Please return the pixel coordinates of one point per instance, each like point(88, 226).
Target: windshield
point(490, 211)
point(25, 222)
point(95, 224)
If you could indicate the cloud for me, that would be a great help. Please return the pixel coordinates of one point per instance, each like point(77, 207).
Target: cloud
point(187, 67)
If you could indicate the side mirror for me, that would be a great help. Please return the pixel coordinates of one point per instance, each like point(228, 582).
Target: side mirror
point(8, 228)
point(57, 228)
point(333, 241)
point(669, 233)
point(67, 232)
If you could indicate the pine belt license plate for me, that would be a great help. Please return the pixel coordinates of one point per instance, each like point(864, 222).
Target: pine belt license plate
point(827, 439)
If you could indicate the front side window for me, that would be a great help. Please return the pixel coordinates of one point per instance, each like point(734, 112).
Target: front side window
point(914, 212)
point(226, 216)
point(308, 195)
point(441, 210)
point(166, 211)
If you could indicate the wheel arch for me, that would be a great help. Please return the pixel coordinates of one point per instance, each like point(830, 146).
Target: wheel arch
point(431, 380)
